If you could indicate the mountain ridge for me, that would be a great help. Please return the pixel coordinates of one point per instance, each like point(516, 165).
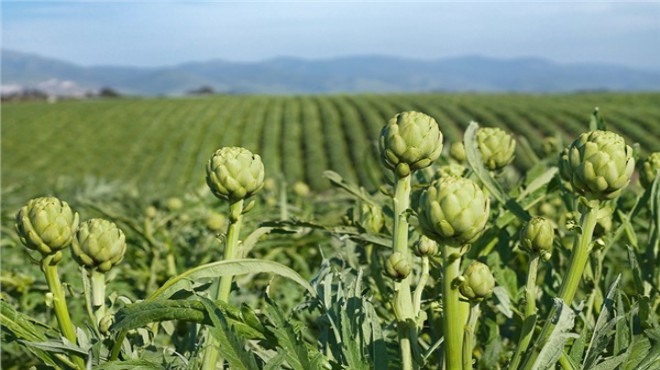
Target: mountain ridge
point(346, 74)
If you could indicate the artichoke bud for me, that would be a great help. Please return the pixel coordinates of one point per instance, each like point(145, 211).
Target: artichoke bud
point(300, 189)
point(426, 247)
point(600, 164)
point(173, 204)
point(478, 282)
point(537, 236)
point(216, 222)
point(649, 169)
point(410, 141)
point(99, 244)
point(398, 266)
point(457, 151)
point(47, 225)
point(549, 146)
point(496, 146)
point(150, 212)
point(453, 169)
point(234, 173)
point(453, 210)
point(371, 218)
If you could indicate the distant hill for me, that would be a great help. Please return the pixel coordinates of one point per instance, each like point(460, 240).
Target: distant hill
point(345, 74)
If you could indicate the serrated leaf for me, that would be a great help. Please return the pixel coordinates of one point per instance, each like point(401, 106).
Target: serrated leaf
point(133, 364)
point(564, 319)
point(603, 330)
point(503, 301)
point(610, 363)
point(232, 348)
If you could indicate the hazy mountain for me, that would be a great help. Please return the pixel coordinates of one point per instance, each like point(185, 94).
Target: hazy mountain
point(345, 74)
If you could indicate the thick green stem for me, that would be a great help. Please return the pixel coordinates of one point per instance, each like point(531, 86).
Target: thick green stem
point(529, 320)
point(569, 286)
point(59, 304)
point(98, 294)
point(403, 303)
point(423, 278)
point(211, 354)
point(468, 336)
point(454, 311)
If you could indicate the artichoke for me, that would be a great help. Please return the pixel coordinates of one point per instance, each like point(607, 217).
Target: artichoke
point(452, 169)
point(300, 189)
point(497, 147)
point(398, 266)
point(46, 224)
point(649, 169)
point(457, 151)
point(537, 236)
point(478, 282)
point(99, 244)
point(216, 222)
point(453, 210)
point(426, 247)
point(410, 141)
point(234, 173)
point(598, 164)
point(173, 204)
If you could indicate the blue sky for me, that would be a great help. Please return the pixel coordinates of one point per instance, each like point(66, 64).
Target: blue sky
point(157, 33)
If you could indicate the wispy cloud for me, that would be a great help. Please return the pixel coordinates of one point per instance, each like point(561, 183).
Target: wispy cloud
point(161, 33)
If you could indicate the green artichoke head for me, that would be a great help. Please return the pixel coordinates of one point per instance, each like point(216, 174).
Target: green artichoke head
point(496, 146)
point(398, 266)
point(599, 164)
point(99, 244)
point(478, 282)
point(453, 210)
point(234, 173)
point(457, 151)
point(300, 189)
point(452, 169)
point(426, 246)
point(649, 169)
point(410, 141)
point(216, 222)
point(537, 236)
point(46, 224)
point(550, 146)
point(173, 204)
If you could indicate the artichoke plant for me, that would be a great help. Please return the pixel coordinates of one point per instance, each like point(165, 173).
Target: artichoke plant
point(453, 210)
point(496, 146)
point(410, 141)
point(234, 173)
point(598, 164)
point(649, 169)
point(99, 244)
point(537, 236)
point(478, 282)
point(46, 224)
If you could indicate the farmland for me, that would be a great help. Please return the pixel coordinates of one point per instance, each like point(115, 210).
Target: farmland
point(161, 145)
point(160, 244)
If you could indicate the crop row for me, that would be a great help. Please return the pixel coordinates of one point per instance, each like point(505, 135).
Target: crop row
point(162, 144)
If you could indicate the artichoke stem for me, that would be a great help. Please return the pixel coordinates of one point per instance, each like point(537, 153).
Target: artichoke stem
point(59, 304)
point(98, 295)
point(454, 311)
point(403, 303)
point(569, 286)
point(423, 278)
point(468, 334)
point(529, 320)
point(211, 355)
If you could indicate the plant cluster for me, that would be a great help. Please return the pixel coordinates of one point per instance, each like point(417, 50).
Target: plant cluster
point(423, 274)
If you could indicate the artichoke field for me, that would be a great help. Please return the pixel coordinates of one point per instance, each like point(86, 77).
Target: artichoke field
point(454, 260)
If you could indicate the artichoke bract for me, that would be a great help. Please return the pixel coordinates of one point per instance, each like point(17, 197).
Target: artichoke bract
point(99, 244)
point(496, 146)
point(538, 235)
point(410, 141)
point(599, 164)
point(453, 210)
point(649, 169)
point(234, 173)
point(478, 282)
point(46, 224)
